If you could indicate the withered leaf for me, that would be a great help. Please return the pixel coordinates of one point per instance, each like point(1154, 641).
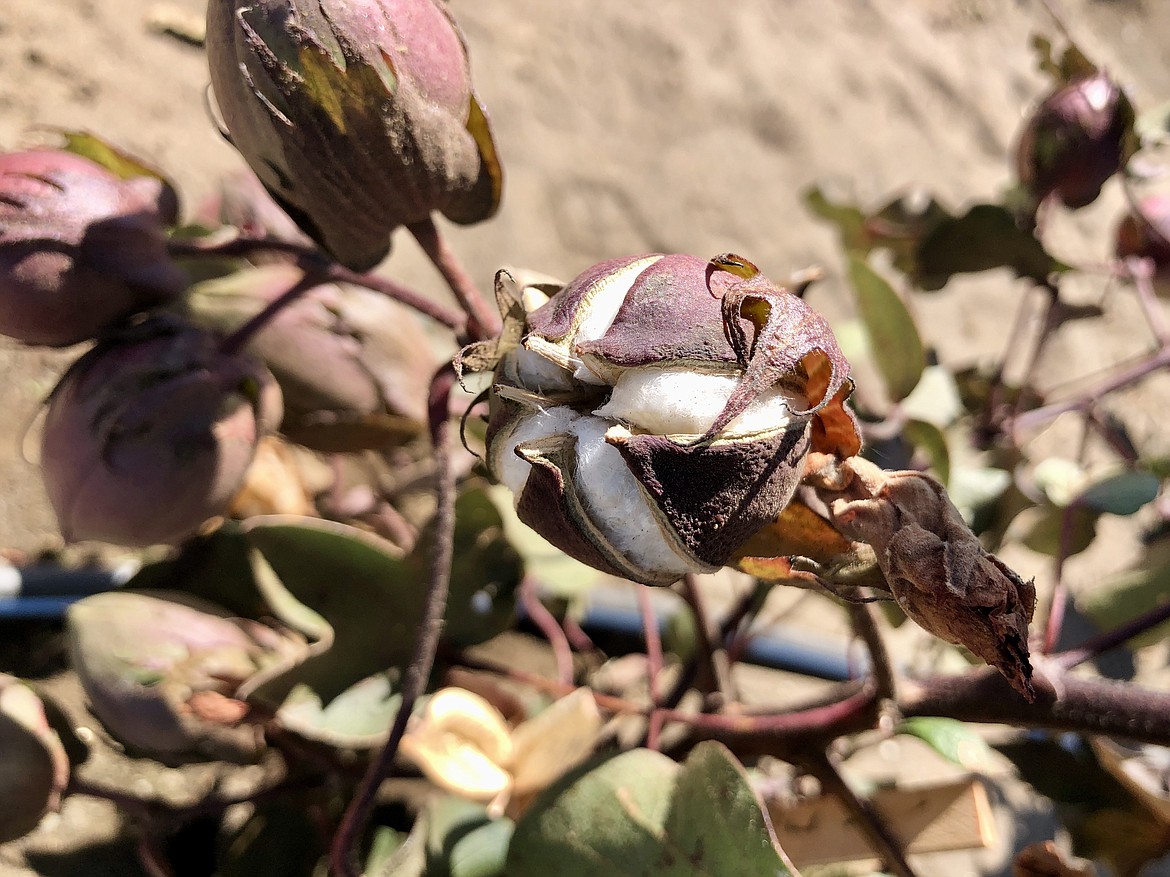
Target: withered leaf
point(934, 565)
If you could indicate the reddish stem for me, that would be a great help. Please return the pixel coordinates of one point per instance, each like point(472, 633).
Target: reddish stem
point(553, 632)
point(483, 321)
point(311, 260)
point(1147, 365)
point(861, 616)
point(713, 657)
point(1060, 596)
point(653, 660)
point(1113, 639)
point(343, 852)
point(239, 339)
point(868, 821)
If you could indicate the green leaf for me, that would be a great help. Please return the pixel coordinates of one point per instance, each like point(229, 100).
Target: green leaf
point(955, 741)
point(984, 238)
point(638, 814)
point(485, 573)
point(893, 336)
point(1122, 494)
point(848, 219)
point(1070, 64)
point(370, 599)
point(930, 439)
point(602, 820)
point(1045, 528)
point(392, 855)
point(120, 164)
point(482, 851)
point(897, 226)
point(1128, 595)
point(715, 825)
point(449, 821)
point(358, 718)
point(559, 575)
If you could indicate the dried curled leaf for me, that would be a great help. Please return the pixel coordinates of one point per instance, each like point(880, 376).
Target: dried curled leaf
point(1043, 859)
point(934, 565)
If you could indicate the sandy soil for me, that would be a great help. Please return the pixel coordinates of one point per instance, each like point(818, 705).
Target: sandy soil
point(629, 127)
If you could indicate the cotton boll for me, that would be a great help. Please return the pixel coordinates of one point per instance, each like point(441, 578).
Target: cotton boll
point(686, 402)
point(510, 469)
point(617, 505)
point(603, 306)
point(531, 370)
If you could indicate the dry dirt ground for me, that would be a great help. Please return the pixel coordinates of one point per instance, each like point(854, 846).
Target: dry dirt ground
point(625, 127)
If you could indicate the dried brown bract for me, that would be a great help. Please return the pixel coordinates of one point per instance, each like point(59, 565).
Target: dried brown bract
point(934, 565)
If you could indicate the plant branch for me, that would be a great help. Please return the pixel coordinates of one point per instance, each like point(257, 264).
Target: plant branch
point(345, 843)
point(1132, 374)
point(869, 822)
point(861, 616)
point(311, 260)
point(553, 632)
point(1141, 272)
point(653, 660)
point(1112, 639)
point(1064, 702)
point(712, 655)
point(1060, 595)
point(483, 322)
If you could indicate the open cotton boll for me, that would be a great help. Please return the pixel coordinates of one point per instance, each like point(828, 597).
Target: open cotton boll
point(603, 305)
point(617, 505)
point(535, 372)
point(683, 402)
point(513, 470)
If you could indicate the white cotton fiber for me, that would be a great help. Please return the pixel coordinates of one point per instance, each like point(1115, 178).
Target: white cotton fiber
point(532, 371)
point(603, 303)
point(616, 503)
point(513, 470)
point(682, 402)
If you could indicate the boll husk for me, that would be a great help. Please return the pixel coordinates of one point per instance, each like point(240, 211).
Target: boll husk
point(151, 433)
point(341, 354)
point(357, 117)
point(1077, 139)
point(34, 766)
point(80, 249)
point(659, 408)
point(162, 671)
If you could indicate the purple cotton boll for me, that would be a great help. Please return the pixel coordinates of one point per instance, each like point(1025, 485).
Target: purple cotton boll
point(338, 351)
point(80, 249)
point(1144, 234)
point(357, 117)
point(34, 768)
point(1075, 141)
point(150, 434)
point(634, 427)
point(161, 670)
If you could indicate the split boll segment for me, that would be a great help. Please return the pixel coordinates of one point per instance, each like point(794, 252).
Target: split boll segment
point(150, 434)
point(358, 117)
point(80, 248)
point(658, 410)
